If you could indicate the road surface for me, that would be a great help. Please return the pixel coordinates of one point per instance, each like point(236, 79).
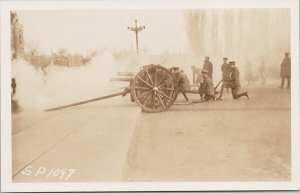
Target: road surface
point(112, 140)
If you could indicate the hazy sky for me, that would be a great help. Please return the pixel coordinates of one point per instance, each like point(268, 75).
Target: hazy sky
point(83, 30)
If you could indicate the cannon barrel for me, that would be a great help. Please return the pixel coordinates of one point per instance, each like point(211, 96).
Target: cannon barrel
point(129, 78)
point(126, 73)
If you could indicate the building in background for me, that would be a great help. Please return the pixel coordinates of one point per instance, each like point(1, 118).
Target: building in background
point(17, 40)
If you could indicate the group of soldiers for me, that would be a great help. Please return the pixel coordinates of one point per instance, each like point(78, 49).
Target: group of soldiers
point(202, 78)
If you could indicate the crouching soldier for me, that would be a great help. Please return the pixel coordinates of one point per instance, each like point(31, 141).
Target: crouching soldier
point(234, 82)
point(206, 89)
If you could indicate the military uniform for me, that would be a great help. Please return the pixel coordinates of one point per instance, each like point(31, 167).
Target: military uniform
point(225, 68)
point(206, 89)
point(182, 82)
point(208, 66)
point(285, 71)
point(234, 83)
point(225, 71)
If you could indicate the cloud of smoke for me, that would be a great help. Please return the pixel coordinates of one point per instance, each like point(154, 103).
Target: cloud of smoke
point(64, 85)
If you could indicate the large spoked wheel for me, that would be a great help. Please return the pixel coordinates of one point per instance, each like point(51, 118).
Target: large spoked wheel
point(154, 88)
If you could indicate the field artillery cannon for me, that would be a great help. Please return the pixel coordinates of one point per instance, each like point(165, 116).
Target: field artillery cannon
point(154, 88)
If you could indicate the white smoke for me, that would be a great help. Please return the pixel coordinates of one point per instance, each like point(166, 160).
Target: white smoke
point(64, 85)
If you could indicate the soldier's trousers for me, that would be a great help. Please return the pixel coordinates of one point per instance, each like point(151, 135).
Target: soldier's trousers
point(184, 94)
point(288, 79)
point(235, 92)
point(224, 85)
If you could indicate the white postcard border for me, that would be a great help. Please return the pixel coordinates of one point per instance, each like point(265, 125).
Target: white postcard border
point(6, 142)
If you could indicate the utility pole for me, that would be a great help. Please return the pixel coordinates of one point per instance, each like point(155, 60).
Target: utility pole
point(136, 29)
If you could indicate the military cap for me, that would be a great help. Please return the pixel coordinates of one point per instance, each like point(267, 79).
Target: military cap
point(286, 53)
point(206, 57)
point(225, 58)
point(232, 62)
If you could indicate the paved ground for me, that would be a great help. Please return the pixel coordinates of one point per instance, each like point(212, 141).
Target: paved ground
point(231, 140)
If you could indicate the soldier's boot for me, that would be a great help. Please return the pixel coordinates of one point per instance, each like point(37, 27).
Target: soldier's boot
point(236, 96)
point(282, 83)
point(289, 83)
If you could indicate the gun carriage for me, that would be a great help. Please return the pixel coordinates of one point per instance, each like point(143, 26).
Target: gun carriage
point(154, 88)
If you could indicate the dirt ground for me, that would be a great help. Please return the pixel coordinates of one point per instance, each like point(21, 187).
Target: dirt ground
point(112, 140)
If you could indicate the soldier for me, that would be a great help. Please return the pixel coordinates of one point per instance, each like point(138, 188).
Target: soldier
point(206, 89)
point(234, 82)
point(182, 82)
point(225, 68)
point(186, 82)
point(285, 72)
point(207, 65)
point(13, 86)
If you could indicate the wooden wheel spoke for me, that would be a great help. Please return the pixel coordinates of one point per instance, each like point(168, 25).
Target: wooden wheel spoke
point(162, 85)
point(145, 98)
point(155, 78)
point(142, 88)
point(166, 82)
point(163, 94)
point(142, 95)
point(166, 89)
point(149, 77)
point(145, 82)
point(160, 78)
point(153, 101)
point(161, 101)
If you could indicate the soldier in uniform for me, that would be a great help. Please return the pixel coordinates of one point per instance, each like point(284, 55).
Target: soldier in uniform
point(225, 68)
point(182, 82)
point(234, 82)
point(285, 72)
point(207, 65)
point(13, 86)
point(206, 89)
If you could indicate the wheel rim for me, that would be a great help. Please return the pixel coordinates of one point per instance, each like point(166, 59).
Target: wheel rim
point(154, 88)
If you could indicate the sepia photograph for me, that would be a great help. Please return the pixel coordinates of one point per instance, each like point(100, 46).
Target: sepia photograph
point(196, 93)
